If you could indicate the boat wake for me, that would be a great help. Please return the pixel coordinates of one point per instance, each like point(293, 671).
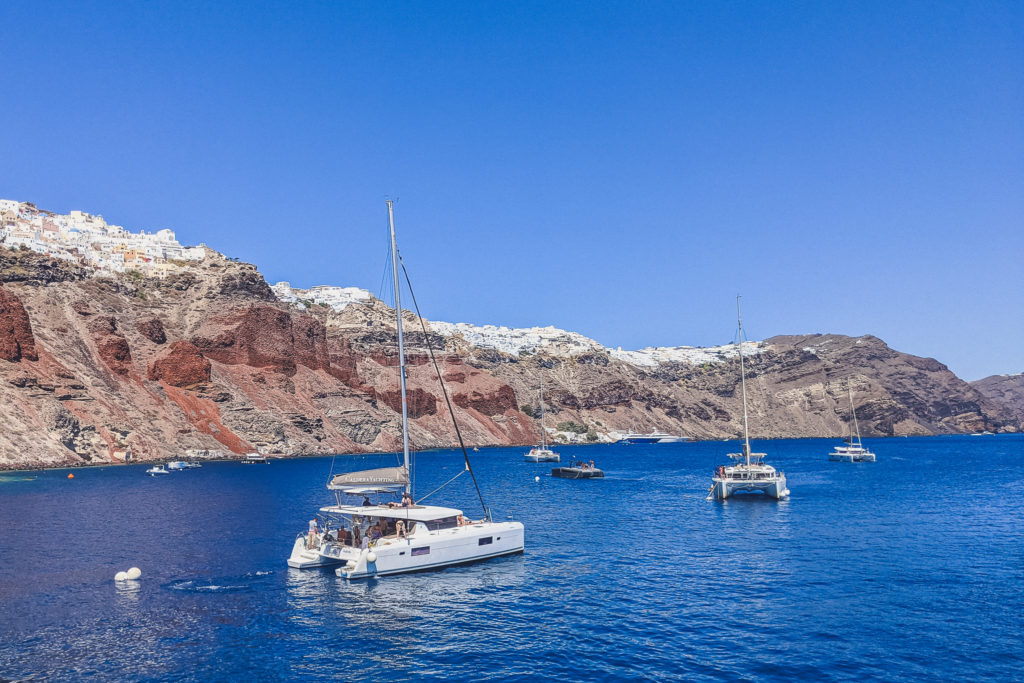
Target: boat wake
point(224, 584)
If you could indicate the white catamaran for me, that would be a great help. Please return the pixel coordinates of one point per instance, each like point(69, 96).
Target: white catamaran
point(375, 538)
point(542, 453)
point(853, 450)
point(750, 474)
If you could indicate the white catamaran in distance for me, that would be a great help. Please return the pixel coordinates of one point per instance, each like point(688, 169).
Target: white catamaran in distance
point(853, 450)
point(750, 474)
point(375, 539)
point(542, 453)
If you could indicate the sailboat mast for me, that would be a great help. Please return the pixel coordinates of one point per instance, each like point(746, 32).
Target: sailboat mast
point(853, 410)
point(743, 381)
point(401, 343)
point(543, 432)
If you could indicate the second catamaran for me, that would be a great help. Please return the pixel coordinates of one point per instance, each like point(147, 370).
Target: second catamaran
point(750, 474)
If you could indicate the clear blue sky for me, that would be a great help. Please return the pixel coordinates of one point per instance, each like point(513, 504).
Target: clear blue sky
point(617, 169)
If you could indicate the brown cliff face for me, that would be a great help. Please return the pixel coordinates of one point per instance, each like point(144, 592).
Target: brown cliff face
point(92, 367)
point(182, 366)
point(16, 340)
point(1006, 391)
point(202, 360)
point(797, 387)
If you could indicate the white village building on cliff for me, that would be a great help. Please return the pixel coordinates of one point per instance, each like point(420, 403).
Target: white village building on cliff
point(89, 240)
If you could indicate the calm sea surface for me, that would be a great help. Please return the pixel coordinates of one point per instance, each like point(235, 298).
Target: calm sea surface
point(907, 569)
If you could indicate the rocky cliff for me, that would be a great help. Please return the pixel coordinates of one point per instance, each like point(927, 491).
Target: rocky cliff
point(92, 368)
point(1006, 391)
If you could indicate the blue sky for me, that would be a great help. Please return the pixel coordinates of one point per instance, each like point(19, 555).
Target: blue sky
point(617, 169)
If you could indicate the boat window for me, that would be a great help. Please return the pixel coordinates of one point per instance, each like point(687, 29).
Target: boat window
point(446, 523)
point(486, 540)
point(425, 550)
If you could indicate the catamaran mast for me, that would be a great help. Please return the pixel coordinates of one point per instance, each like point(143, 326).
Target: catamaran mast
point(743, 381)
point(401, 345)
point(543, 432)
point(854, 412)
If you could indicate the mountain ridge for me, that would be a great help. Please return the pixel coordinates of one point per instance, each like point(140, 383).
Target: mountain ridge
point(206, 356)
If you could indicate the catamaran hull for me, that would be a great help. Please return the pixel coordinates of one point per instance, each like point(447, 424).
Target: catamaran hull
point(310, 558)
point(852, 457)
point(541, 458)
point(432, 550)
point(722, 488)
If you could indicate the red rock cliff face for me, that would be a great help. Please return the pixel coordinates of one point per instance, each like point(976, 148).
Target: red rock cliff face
point(16, 340)
point(182, 366)
point(257, 336)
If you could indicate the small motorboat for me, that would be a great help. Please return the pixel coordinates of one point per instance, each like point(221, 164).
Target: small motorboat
point(177, 465)
point(255, 459)
point(159, 469)
point(578, 469)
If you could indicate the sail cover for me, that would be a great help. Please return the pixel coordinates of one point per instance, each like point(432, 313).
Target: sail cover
point(385, 476)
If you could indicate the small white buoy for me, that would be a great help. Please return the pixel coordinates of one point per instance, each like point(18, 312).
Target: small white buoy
point(121, 576)
point(371, 557)
point(134, 573)
point(536, 478)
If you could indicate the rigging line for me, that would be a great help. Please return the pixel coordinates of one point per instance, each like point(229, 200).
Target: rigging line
point(384, 272)
point(444, 390)
point(461, 472)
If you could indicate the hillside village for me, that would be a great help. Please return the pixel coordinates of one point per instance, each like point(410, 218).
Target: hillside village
point(90, 241)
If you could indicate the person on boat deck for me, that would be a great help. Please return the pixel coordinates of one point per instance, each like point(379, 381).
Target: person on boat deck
point(591, 464)
point(407, 500)
point(400, 528)
point(366, 502)
point(343, 535)
point(375, 532)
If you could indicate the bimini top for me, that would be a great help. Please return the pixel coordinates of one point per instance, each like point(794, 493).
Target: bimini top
point(385, 478)
point(416, 513)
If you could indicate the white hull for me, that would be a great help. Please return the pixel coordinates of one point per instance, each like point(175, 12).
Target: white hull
point(841, 454)
point(774, 487)
point(434, 549)
point(539, 455)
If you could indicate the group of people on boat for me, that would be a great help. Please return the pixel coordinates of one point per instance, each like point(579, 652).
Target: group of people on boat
point(407, 502)
point(583, 465)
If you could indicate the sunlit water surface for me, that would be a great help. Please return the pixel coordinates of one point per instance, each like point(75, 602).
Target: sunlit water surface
point(906, 569)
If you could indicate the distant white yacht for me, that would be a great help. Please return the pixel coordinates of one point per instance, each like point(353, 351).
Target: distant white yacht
point(853, 450)
point(541, 452)
point(750, 474)
point(653, 437)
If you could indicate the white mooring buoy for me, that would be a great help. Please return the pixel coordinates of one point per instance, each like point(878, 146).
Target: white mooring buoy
point(134, 573)
point(536, 478)
point(121, 576)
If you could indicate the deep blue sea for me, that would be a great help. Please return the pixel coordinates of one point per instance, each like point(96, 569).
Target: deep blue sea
point(910, 568)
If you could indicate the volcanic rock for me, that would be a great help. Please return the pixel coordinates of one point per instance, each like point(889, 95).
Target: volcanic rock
point(183, 365)
point(152, 329)
point(16, 339)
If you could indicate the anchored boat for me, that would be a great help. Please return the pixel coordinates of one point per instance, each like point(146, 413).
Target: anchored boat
point(750, 474)
point(378, 537)
point(853, 450)
point(542, 453)
point(578, 469)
